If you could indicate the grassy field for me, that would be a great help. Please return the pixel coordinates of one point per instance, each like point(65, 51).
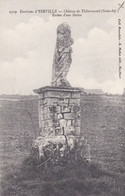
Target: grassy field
point(103, 122)
point(103, 125)
point(16, 132)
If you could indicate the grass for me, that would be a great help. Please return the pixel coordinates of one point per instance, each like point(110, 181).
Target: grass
point(82, 179)
point(21, 177)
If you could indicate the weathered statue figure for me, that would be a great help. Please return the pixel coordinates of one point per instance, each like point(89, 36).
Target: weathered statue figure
point(62, 56)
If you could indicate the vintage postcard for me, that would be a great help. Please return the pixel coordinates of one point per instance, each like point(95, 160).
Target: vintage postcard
point(62, 97)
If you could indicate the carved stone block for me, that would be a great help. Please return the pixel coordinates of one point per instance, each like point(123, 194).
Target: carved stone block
point(63, 101)
point(68, 123)
point(66, 109)
point(68, 116)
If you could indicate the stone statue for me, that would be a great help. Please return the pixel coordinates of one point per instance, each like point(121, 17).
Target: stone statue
point(62, 56)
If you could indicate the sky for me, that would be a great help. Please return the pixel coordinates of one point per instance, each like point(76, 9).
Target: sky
point(27, 43)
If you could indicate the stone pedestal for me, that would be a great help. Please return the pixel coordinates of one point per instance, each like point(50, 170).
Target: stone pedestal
point(59, 110)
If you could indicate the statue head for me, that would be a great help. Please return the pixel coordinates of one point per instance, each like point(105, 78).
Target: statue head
point(64, 35)
point(64, 28)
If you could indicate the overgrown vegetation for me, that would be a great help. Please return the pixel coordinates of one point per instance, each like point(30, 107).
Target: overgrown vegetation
point(69, 177)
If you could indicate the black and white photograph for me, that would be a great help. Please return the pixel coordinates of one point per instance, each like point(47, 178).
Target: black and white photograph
point(62, 98)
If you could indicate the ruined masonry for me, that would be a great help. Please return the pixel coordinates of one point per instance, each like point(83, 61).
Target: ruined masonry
point(56, 104)
point(59, 104)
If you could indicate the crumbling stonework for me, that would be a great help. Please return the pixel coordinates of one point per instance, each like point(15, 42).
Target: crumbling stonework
point(59, 109)
point(59, 105)
point(49, 146)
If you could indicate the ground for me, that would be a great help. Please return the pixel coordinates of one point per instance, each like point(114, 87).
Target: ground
point(19, 174)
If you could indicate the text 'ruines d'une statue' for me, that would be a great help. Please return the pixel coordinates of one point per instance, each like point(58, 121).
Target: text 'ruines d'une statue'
point(62, 56)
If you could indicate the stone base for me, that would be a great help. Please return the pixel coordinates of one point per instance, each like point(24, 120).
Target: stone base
point(59, 110)
point(62, 143)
